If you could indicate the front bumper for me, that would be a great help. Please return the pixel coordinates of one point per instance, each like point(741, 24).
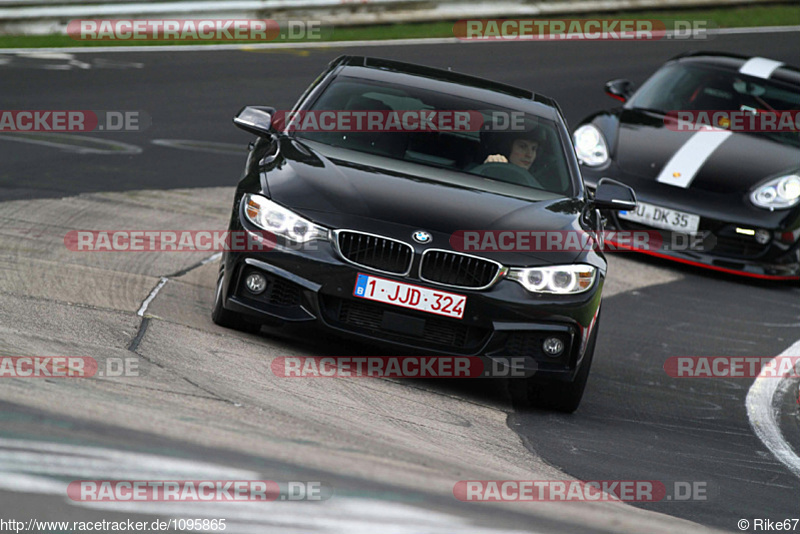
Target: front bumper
point(720, 216)
point(314, 286)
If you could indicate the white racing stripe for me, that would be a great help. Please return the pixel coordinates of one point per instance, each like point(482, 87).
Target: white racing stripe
point(760, 67)
point(763, 413)
point(681, 170)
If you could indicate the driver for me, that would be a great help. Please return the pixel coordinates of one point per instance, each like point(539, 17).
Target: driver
point(521, 147)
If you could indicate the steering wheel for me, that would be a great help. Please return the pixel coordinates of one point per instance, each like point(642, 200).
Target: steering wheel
point(507, 172)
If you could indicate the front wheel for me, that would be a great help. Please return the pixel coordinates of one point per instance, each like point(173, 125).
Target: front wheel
point(550, 394)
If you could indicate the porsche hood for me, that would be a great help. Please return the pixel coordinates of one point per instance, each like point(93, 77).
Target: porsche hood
point(719, 160)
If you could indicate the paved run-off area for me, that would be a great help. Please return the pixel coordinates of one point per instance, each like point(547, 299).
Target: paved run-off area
point(207, 386)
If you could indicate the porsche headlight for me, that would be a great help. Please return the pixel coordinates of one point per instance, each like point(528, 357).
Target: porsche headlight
point(779, 193)
point(274, 218)
point(559, 279)
point(590, 146)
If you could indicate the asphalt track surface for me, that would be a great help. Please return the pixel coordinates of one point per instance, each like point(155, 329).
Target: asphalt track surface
point(635, 422)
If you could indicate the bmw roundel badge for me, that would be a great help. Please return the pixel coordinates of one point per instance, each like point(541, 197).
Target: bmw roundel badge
point(422, 237)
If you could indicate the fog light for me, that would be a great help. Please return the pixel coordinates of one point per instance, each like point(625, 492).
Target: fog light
point(762, 237)
point(553, 346)
point(255, 283)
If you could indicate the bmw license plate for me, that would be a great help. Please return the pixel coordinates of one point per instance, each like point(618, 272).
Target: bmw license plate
point(664, 218)
point(410, 296)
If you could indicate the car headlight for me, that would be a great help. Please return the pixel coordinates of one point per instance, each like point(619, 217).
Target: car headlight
point(561, 279)
point(590, 146)
point(274, 218)
point(779, 193)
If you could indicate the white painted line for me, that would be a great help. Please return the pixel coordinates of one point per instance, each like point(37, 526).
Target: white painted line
point(203, 146)
point(336, 516)
point(72, 143)
point(211, 258)
point(755, 29)
point(340, 44)
point(46, 468)
point(164, 281)
point(763, 414)
point(52, 453)
point(152, 9)
point(244, 47)
point(151, 296)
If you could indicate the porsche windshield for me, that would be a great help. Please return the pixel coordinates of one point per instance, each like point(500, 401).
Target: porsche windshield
point(680, 87)
point(440, 130)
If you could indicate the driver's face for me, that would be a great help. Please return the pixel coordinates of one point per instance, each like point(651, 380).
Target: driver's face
point(523, 152)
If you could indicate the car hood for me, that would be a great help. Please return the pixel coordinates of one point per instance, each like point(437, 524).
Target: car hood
point(645, 147)
point(355, 192)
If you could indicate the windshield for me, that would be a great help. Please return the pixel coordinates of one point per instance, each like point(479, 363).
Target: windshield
point(681, 87)
point(494, 143)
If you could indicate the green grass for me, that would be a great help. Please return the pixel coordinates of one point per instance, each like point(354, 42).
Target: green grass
point(732, 17)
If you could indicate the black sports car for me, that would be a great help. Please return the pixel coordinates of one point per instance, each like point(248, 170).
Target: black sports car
point(363, 224)
point(741, 187)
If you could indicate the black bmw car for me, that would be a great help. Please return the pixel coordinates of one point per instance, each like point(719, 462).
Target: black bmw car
point(363, 225)
point(739, 185)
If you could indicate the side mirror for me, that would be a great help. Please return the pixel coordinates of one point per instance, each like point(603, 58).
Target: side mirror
point(256, 120)
point(613, 195)
point(620, 89)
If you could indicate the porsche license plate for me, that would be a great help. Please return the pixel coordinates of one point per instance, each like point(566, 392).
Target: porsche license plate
point(664, 218)
point(409, 296)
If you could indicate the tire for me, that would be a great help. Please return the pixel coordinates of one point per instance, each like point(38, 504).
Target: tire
point(229, 319)
point(555, 395)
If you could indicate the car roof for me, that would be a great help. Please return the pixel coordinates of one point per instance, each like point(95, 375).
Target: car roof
point(458, 84)
point(733, 62)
